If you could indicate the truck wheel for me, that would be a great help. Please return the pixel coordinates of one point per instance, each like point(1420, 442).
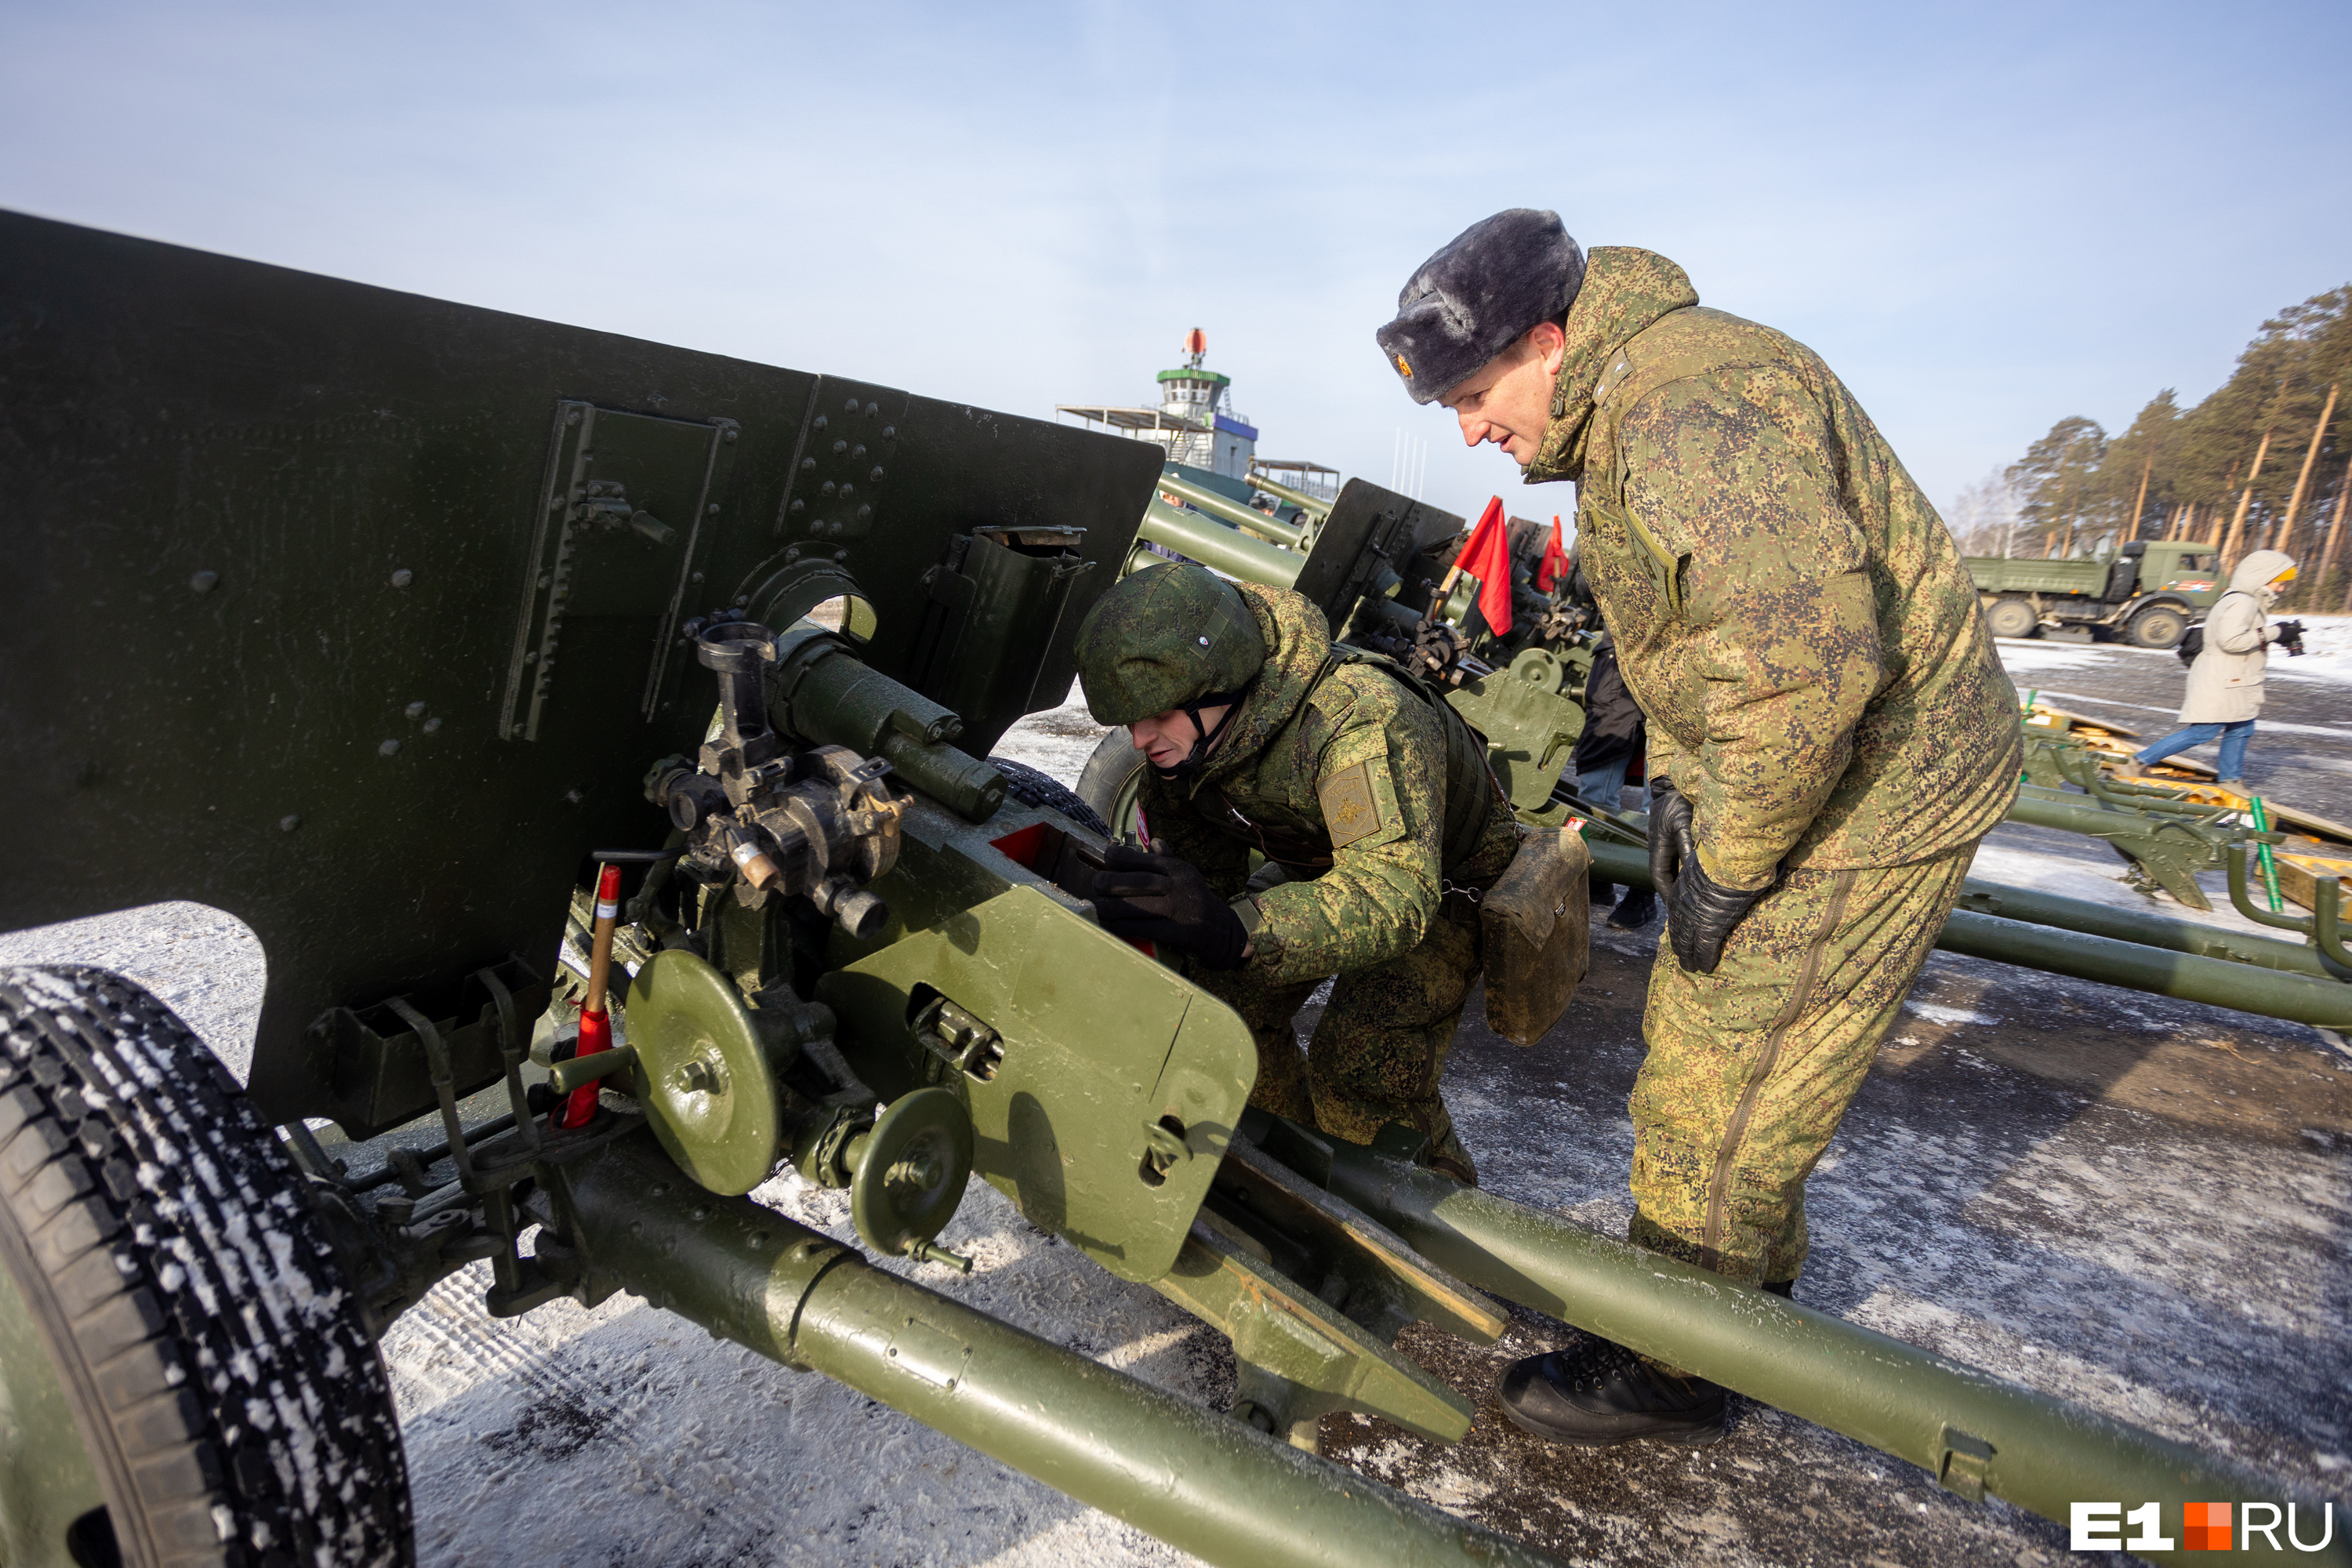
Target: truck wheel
point(2012, 618)
point(2159, 626)
point(199, 1365)
point(1112, 780)
point(1032, 787)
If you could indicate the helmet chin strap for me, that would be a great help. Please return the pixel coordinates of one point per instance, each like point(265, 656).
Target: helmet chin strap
point(1204, 738)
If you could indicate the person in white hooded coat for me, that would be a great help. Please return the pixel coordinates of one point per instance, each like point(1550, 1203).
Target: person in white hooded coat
point(2225, 684)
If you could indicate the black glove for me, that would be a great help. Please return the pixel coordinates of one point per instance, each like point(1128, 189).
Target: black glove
point(1670, 820)
point(1701, 913)
point(2290, 636)
point(1153, 898)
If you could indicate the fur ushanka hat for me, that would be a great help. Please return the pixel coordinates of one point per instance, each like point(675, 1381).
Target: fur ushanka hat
point(1467, 303)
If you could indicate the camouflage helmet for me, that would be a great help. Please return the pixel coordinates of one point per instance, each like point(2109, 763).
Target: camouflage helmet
point(1166, 637)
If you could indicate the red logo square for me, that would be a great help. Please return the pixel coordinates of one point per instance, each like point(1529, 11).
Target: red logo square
point(2205, 1526)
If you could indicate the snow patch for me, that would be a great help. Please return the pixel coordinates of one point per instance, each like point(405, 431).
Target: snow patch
point(1934, 1012)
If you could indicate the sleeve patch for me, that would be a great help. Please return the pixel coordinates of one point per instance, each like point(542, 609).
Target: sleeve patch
point(1350, 809)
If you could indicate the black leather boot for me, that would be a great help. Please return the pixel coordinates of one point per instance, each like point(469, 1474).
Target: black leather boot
point(1635, 909)
point(1596, 1393)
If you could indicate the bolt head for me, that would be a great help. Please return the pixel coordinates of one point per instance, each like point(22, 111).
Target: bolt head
point(402, 578)
point(288, 823)
point(433, 726)
point(414, 710)
point(204, 581)
point(389, 749)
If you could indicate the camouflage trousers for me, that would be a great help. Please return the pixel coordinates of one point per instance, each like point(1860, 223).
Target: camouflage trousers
point(1750, 1068)
point(1378, 1050)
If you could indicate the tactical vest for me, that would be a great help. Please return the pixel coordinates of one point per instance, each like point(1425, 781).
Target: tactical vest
point(1471, 791)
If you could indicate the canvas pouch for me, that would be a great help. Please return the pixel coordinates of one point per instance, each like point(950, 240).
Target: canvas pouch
point(1536, 923)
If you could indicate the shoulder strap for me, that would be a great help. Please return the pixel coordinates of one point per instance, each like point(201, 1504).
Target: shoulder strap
point(1471, 791)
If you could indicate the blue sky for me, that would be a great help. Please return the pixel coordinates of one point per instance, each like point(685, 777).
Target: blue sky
point(1985, 218)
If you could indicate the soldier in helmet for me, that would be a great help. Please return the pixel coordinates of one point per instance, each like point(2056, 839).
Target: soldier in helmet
point(1366, 796)
point(1829, 732)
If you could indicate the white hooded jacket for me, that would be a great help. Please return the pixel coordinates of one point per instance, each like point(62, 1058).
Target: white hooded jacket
point(2225, 684)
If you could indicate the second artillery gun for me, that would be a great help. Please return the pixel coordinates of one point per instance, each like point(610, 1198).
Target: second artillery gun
point(466, 658)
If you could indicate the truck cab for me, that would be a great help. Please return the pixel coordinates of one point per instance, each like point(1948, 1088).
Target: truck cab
point(2148, 594)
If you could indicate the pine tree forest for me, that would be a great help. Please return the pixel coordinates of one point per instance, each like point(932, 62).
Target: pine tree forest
point(2261, 463)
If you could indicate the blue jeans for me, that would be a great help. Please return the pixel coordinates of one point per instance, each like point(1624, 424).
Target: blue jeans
point(1604, 785)
point(2233, 736)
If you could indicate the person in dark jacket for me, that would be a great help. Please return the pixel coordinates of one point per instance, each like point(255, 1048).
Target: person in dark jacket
point(1614, 736)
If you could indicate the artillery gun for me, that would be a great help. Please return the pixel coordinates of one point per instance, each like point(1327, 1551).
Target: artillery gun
point(396, 628)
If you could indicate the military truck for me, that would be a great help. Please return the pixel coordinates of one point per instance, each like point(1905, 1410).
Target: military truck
point(2149, 594)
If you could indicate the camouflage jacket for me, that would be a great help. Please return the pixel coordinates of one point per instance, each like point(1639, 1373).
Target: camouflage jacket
point(1788, 610)
point(1338, 773)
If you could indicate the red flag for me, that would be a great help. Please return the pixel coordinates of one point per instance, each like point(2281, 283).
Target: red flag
point(1487, 557)
point(1554, 570)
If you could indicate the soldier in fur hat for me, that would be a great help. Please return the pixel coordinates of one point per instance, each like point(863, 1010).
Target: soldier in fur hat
point(1829, 733)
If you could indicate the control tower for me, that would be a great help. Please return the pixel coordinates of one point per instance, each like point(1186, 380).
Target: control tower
point(1194, 420)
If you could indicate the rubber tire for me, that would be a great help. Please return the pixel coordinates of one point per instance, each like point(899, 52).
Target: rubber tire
point(1031, 787)
point(138, 1187)
point(2145, 629)
point(1112, 773)
point(2015, 614)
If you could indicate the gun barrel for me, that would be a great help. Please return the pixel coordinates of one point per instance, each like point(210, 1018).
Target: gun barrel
point(821, 691)
point(1214, 546)
point(1300, 499)
point(2039, 930)
point(1232, 512)
point(1204, 1483)
point(1973, 1433)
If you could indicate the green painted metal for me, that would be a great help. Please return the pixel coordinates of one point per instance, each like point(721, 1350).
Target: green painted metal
point(2143, 928)
point(1298, 1356)
point(1106, 1054)
point(2170, 970)
point(820, 690)
point(1213, 545)
point(2167, 852)
point(1975, 1434)
point(1232, 512)
point(1530, 732)
point(1201, 1482)
point(1297, 498)
point(701, 1073)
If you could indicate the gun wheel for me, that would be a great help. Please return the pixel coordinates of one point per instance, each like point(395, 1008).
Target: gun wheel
point(1112, 781)
point(189, 1378)
point(1032, 787)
